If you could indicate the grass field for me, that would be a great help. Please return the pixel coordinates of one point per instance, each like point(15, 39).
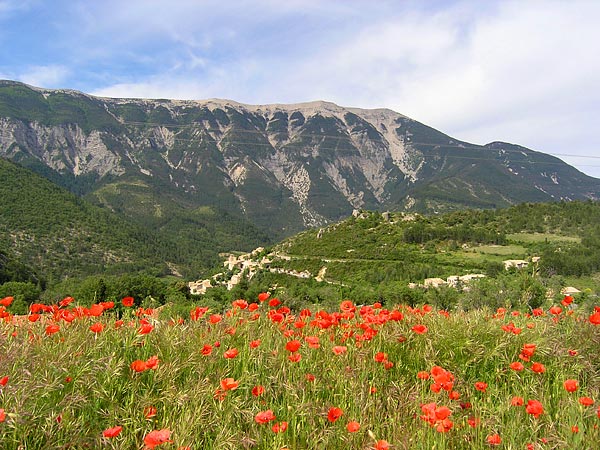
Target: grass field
point(259, 376)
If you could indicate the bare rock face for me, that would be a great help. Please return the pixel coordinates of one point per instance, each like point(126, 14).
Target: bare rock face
point(285, 167)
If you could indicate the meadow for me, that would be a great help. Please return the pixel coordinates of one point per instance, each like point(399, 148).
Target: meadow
point(258, 375)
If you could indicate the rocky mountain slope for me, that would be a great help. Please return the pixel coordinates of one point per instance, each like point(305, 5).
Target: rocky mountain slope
point(283, 167)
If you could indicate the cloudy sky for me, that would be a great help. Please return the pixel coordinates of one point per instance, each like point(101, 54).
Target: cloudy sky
point(525, 71)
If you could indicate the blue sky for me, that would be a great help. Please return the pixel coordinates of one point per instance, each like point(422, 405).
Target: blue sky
point(525, 72)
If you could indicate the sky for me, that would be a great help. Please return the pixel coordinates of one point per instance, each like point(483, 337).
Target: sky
point(525, 72)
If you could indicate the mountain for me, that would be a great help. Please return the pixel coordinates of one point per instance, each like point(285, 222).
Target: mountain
point(48, 234)
point(283, 168)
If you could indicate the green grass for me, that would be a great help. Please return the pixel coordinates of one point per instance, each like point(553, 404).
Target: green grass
point(541, 237)
point(64, 389)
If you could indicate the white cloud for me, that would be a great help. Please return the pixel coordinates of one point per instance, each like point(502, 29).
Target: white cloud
point(50, 76)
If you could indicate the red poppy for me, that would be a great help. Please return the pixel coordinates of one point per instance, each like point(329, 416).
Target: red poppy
point(274, 303)
point(215, 318)
point(575, 429)
point(534, 407)
point(423, 375)
point(4, 380)
point(150, 412)
point(312, 341)
point(157, 437)
point(264, 417)
point(382, 445)
point(481, 386)
point(339, 349)
point(586, 401)
point(334, 413)
point(145, 328)
point(538, 367)
point(206, 350)
point(347, 306)
point(152, 362)
point(240, 303)
point(127, 301)
point(279, 427)
point(2, 415)
point(229, 384)
point(419, 329)
point(138, 365)
point(293, 346)
point(231, 353)
point(555, 310)
point(494, 439)
point(33, 317)
point(571, 385)
point(295, 357)
point(254, 344)
point(6, 301)
point(97, 328)
point(573, 352)
point(352, 426)
point(51, 329)
point(263, 296)
point(112, 432)
point(473, 422)
point(517, 401)
point(257, 391)
point(95, 310)
point(595, 318)
point(518, 366)
point(252, 307)
point(310, 377)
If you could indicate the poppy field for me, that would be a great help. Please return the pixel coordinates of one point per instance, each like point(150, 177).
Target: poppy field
point(261, 376)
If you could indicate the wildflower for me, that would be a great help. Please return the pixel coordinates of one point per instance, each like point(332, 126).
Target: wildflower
point(586, 401)
point(206, 349)
point(231, 353)
point(517, 365)
point(127, 301)
point(352, 426)
point(573, 352)
point(473, 422)
point(571, 385)
point(423, 375)
point(381, 357)
point(264, 417)
point(4, 380)
point(112, 432)
point(494, 439)
point(157, 437)
point(150, 412)
point(339, 349)
point(517, 401)
point(419, 329)
point(575, 429)
point(538, 367)
point(274, 303)
point(263, 296)
point(6, 301)
point(215, 318)
point(145, 328)
point(534, 407)
point(51, 329)
point(119, 323)
point(310, 377)
point(257, 391)
point(295, 357)
point(240, 303)
point(229, 384)
point(595, 318)
point(481, 386)
point(334, 414)
point(347, 306)
point(255, 343)
point(97, 327)
point(382, 445)
point(312, 341)
point(279, 427)
point(95, 310)
point(2, 415)
point(555, 310)
point(138, 366)
point(293, 346)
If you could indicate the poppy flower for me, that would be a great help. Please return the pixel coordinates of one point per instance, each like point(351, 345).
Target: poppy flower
point(310, 377)
point(555, 310)
point(517, 365)
point(138, 365)
point(339, 349)
point(481, 386)
point(255, 343)
point(119, 323)
point(145, 328)
point(534, 407)
point(95, 310)
point(423, 375)
point(51, 329)
point(538, 367)
point(2, 415)
point(231, 353)
point(274, 303)
point(312, 341)
point(334, 414)
point(382, 444)
point(229, 384)
point(517, 401)
point(264, 417)
point(571, 385)
point(33, 317)
point(206, 349)
point(240, 303)
point(473, 422)
point(97, 327)
point(586, 401)
point(4, 380)
point(150, 412)
point(6, 301)
point(295, 357)
point(263, 296)
point(575, 429)
point(152, 362)
point(352, 426)
point(257, 391)
point(112, 432)
point(419, 329)
point(157, 437)
point(595, 318)
point(127, 301)
point(494, 439)
point(293, 346)
point(279, 427)
point(347, 306)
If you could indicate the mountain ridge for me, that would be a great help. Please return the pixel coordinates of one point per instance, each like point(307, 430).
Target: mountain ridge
point(283, 167)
